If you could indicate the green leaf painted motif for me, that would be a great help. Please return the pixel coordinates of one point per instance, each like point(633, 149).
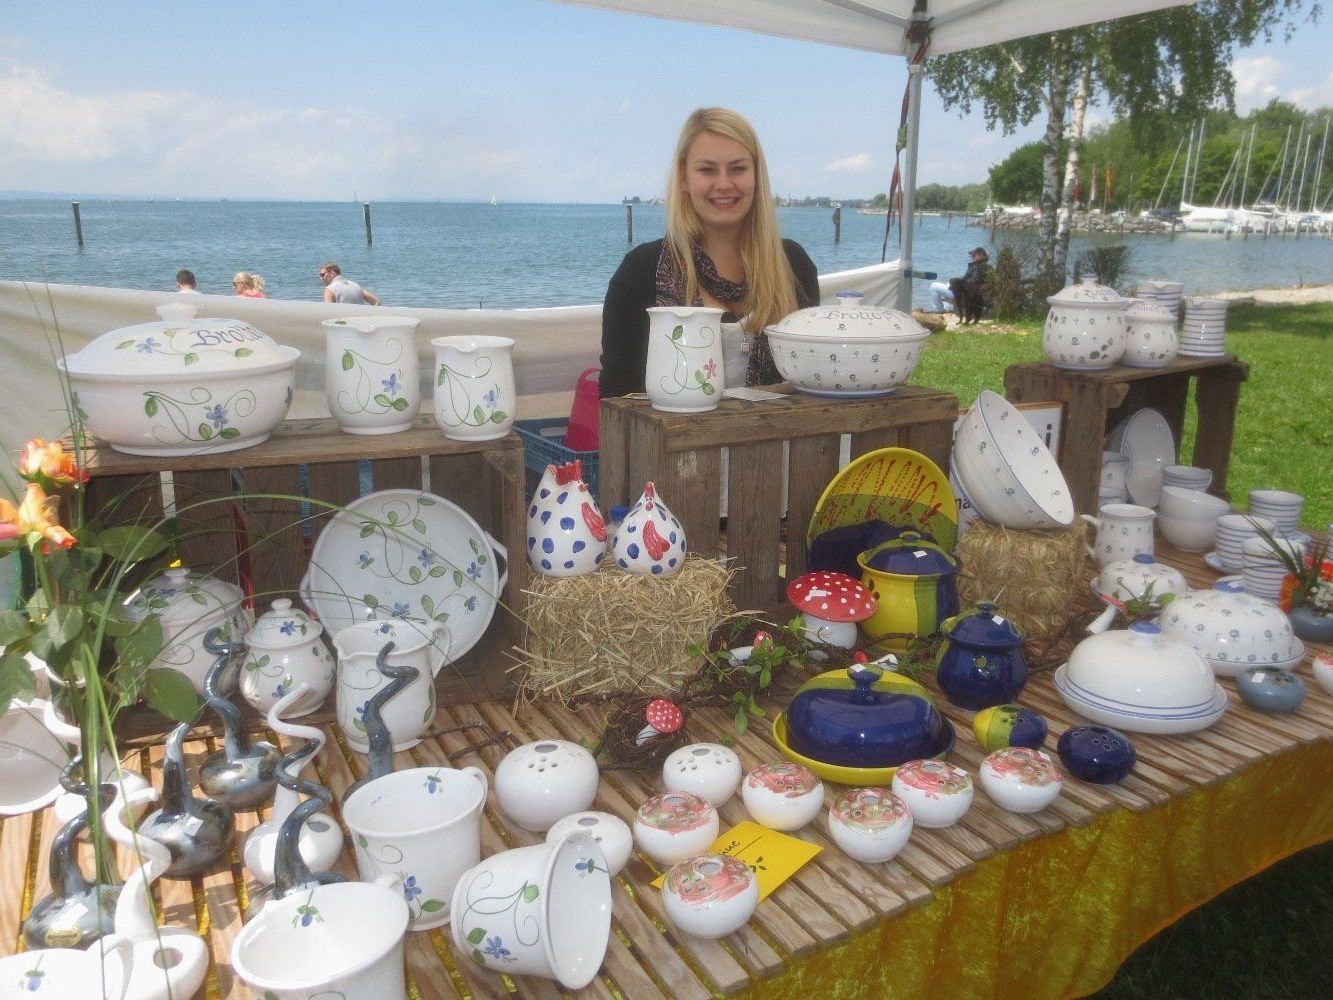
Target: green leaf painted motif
point(361, 840)
point(242, 352)
point(205, 432)
point(478, 957)
point(478, 414)
point(708, 389)
point(677, 333)
point(382, 400)
point(530, 892)
point(432, 905)
point(458, 578)
point(414, 574)
point(150, 406)
point(229, 432)
point(439, 377)
point(437, 571)
point(399, 404)
point(367, 530)
point(348, 362)
point(419, 525)
point(191, 358)
point(476, 935)
point(499, 417)
point(370, 601)
point(124, 344)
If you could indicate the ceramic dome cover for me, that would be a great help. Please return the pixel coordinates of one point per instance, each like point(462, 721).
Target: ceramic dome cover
point(983, 626)
point(910, 555)
point(850, 320)
point(1087, 293)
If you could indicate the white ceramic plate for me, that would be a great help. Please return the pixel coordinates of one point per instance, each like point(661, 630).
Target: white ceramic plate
point(1146, 438)
point(1156, 723)
point(406, 554)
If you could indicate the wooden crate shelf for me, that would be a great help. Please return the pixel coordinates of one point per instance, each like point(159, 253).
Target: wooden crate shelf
point(682, 454)
point(235, 519)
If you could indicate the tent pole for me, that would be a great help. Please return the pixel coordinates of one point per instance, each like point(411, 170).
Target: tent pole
point(908, 220)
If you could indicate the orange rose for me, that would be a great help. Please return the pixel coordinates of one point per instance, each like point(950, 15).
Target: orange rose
point(38, 514)
point(50, 465)
point(9, 520)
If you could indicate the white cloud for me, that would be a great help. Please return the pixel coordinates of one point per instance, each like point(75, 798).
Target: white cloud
point(1318, 96)
point(855, 163)
point(985, 140)
point(1257, 81)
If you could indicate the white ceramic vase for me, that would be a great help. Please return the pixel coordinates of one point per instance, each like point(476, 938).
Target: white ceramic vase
point(684, 373)
point(475, 399)
point(408, 715)
point(372, 376)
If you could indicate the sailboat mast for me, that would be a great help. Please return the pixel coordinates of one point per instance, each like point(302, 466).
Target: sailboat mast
point(1245, 181)
point(1198, 158)
point(1167, 179)
point(1185, 180)
point(1305, 163)
point(1319, 168)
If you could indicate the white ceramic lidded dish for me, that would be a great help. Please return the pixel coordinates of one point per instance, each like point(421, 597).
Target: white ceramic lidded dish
point(674, 826)
point(848, 349)
point(782, 796)
point(611, 833)
point(937, 792)
point(1085, 328)
point(1232, 630)
point(183, 386)
point(870, 824)
point(544, 781)
point(709, 770)
point(1150, 336)
point(710, 896)
point(1020, 779)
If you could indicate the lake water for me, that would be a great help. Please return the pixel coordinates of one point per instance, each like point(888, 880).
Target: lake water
point(504, 256)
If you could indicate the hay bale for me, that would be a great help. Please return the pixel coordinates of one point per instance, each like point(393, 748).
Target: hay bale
point(1034, 576)
point(613, 632)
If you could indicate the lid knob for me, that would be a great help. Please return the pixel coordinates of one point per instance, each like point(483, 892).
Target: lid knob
point(1144, 558)
point(282, 604)
point(1145, 629)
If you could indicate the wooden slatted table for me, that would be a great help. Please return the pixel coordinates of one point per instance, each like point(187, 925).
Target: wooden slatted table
point(828, 903)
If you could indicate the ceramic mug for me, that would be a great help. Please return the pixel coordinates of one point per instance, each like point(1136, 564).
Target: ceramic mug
point(1124, 530)
point(422, 645)
point(372, 376)
point(475, 399)
point(423, 824)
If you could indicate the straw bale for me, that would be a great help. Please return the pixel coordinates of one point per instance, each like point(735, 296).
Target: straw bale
point(1034, 576)
point(613, 632)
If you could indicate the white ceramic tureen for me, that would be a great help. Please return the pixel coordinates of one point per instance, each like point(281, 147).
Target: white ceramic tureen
point(848, 349)
point(183, 386)
point(1150, 336)
point(1232, 629)
point(1085, 328)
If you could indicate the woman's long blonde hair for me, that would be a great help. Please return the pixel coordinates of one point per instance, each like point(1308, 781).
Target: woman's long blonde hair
point(770, 285)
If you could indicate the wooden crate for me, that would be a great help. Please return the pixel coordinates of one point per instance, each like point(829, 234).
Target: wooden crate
point(263, 542)
point(1096, 401)
point(682, 454)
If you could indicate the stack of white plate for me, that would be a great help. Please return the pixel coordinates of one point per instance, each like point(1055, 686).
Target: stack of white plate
point(1283, 507)
point(1233, 531)
point(1262, 570)
point(1146, 438)
point(1164, 293)
point(1188, 477)
point(1205, 324)
point(1113, 485)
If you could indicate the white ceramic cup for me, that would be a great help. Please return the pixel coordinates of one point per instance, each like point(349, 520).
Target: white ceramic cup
point(423, 824)
point(1233, 530)
point(475, 399)
point(372, 375)
point(1124, 530)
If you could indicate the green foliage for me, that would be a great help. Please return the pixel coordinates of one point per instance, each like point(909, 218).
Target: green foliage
point(1016, 180)
point(945, 198)
point(1107, 263)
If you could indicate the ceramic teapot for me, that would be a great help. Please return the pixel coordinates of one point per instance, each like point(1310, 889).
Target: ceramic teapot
point(286, 648)
point(981, 663)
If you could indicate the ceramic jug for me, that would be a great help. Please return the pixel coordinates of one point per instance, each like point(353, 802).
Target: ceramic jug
point(475, 398)
point(372, 377)
point(417, 644)
point(685, 361)
point(1124, 530)
point(566, 531)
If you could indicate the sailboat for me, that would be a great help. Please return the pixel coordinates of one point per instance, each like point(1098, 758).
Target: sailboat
point(493, 201)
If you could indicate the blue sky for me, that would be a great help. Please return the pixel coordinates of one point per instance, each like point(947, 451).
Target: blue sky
point(461, 99)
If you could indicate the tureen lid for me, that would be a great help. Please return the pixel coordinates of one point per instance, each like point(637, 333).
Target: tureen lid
point(1144, 310)
point(983, 626)
point(182, 595)
point(181, 344)
point(1142, 649)
point(1087, 293)
point(283, 625)
point(850, 319)
point(909, 555)
point(1227, 624)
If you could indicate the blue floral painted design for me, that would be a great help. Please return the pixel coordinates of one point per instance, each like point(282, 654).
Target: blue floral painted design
point(146, 346)
point(474, 572)
point(217, 416)
point(391, 384)
point(496, 949)
point(288, 627)
point(410, 888)
point(427, 558)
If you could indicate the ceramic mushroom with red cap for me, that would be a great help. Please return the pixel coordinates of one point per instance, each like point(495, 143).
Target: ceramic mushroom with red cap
point(663, 717)
point(832, 604)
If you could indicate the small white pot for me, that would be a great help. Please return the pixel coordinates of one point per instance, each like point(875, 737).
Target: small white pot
point(543, 911)
point(1020, 780)
point(1085, 328)
point(709, 770)
point(937, 793)
point(284, 650)
point(475, 398)
point(870, 824)
point(544, 781)
point(710, 896)
point(372, 376)
point(1150, 336)
point(674, 826)
point(611, 833)
point(782, 796)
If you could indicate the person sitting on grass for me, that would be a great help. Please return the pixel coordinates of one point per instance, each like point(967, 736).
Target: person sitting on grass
point(969, 288)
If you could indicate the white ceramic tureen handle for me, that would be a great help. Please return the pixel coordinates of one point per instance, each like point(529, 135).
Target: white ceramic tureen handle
point(503, 553)
point(480, 776)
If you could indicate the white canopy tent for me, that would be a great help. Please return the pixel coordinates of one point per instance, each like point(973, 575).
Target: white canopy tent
point(911, 28)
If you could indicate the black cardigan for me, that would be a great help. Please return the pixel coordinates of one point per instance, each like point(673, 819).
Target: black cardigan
point(633, 289)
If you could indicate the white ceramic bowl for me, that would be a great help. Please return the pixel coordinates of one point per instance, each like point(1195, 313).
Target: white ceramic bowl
point(183, 386)
point(1232, 629)
point(1195, 504)
point(1140, 667)
point(544, 781)
point(709, 770)
point(1007, 470)
point(1020, 780)
point(710, 896)
point(1085, 328)
point(847, 349)
point(611, 834)
point(870, 824)
point(1188, 534)
point(782, 796)
point(674, 826)
point(937, 792)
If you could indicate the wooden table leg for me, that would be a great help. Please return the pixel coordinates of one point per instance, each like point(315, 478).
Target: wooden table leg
point(1217, 395)
point(1081, 440)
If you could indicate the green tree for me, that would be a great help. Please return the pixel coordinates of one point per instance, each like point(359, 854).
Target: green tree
point(1016, 180)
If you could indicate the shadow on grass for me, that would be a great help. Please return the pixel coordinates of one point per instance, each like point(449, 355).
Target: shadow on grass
point(1313, 320)
point(1265, 939)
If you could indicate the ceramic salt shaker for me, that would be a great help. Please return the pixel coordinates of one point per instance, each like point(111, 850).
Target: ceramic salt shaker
point(611, 833)
point(709, 770)
point(1020, 779)
point(544, 781)
point(650, 541)
point(674, 826)
point(938, 793)
point(566, 532)
point(782, 796)
point(710, 896)
point(870, 824)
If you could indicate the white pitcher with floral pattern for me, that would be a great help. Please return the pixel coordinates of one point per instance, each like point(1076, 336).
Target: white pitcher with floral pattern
point(685, 363)
point(372, 377)
point(475, 399)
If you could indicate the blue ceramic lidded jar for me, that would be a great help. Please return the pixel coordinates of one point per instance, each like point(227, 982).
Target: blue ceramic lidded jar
point(1097, 754)
point(981, 662)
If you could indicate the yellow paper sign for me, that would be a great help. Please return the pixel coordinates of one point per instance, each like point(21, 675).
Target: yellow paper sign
point(773, 857)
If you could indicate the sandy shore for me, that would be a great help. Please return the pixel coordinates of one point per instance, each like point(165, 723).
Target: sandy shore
point(1283, 296)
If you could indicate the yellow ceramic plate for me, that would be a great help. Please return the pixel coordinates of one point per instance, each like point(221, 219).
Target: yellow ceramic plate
point(894, 487)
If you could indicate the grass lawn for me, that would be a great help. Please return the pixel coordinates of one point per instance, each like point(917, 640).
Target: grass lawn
point(1284, 427)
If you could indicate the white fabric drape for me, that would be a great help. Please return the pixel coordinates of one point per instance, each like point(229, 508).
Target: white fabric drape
point(552, 345)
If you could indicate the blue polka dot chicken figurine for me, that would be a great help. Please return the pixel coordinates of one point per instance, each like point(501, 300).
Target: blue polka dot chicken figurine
point(650, 541)
point(566, 531)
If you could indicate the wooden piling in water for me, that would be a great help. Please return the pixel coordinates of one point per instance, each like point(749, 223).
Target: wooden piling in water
point(78, 223)
point(837, 224)
point(365, 211)
point(629, 222)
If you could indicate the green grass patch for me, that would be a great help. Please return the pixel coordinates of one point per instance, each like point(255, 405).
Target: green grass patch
point(1284, 426)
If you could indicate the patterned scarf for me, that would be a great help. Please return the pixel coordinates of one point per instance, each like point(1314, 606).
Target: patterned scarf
point(671, 292)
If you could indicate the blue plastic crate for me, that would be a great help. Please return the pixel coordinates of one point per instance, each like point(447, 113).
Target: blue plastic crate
point(544, 444)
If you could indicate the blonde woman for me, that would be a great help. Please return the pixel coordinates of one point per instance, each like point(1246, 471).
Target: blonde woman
point(248, 285)
point(722, 249)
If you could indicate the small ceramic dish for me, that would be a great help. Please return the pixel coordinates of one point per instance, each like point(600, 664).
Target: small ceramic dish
point(938, 793)
point(870, 824)
point(782, 796)
point(674, 826)
point(1020, 780)
point(611, 833)
point(710, 896)
point(544, 781)
point(709, 770)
